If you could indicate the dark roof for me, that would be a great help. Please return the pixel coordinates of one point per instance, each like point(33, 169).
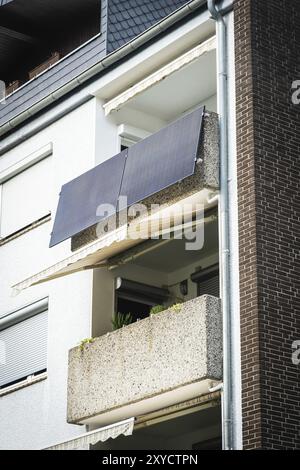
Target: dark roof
point(128, 18)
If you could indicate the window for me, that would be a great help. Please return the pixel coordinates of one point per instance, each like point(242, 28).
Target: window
point(25, 196)
point(207, 281)
point(129, 135)
point(23, 340)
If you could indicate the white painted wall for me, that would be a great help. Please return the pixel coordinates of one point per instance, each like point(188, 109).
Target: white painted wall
point(35, 417)
point(106, 135)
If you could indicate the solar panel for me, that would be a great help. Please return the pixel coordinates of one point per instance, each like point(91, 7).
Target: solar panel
point(80, 198)
point(151, 165)
point(163, 158)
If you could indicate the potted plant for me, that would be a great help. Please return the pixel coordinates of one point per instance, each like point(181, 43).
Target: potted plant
point(121, 319)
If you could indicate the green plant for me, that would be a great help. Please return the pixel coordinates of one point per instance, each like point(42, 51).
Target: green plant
point(121, 319)
point(160, 308)
point(176, 307)
point(157, 309)
point(84, 342)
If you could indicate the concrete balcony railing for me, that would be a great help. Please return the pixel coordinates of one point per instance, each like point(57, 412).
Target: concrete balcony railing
point(162, 360)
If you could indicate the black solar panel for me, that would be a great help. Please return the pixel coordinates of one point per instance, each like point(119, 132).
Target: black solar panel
point(80, 198)
point(162, 159)
point(147, 167)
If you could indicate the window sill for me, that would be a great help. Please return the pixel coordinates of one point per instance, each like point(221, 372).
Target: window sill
point(22, 231)
point(32, 379)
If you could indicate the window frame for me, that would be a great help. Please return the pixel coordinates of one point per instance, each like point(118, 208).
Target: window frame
point(130, 135)
point(14, 318)
point(204, 275)
point(14, 170)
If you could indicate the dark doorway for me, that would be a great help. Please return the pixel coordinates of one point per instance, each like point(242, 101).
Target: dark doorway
point(138, 310)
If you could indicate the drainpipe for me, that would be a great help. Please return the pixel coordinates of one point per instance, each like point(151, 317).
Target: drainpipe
point(220, 388)
point(224, 253)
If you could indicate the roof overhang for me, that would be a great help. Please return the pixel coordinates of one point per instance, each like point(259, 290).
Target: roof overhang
point(177, 64)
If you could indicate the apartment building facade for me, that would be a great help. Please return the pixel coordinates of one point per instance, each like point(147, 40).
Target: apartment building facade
point(174, 102)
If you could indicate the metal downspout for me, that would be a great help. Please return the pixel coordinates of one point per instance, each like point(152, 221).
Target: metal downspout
point(227, 418)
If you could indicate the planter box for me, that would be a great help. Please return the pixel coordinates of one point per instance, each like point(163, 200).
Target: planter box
point(13, 86)
point(156, 362)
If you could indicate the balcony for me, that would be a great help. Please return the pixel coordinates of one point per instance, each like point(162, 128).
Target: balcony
point(162, 360)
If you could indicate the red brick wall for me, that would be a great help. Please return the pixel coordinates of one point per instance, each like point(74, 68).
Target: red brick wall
point(267, 40)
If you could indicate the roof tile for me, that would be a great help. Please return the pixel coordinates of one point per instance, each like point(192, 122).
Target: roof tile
point(128, 18)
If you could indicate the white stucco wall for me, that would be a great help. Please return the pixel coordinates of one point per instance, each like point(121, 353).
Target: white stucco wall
point(35, 417)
